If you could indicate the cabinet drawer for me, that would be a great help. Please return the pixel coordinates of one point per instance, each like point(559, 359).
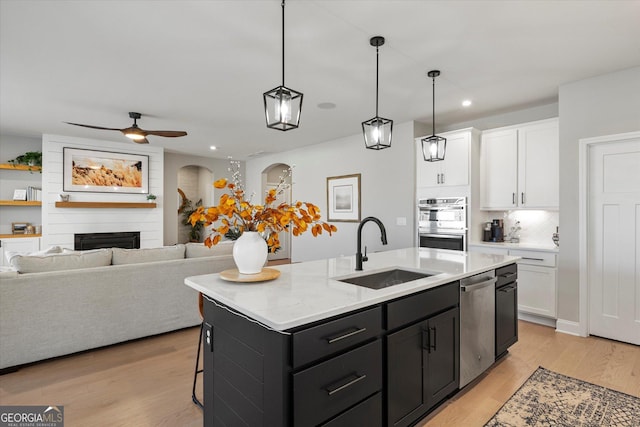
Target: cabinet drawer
point(422, 305)
point(329, 388)
point(367, 413)
point(331, 337)
point(546, 259)
point(507, 274)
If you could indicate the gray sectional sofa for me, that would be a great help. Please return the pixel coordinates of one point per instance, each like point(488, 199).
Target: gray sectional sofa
point(71, 307)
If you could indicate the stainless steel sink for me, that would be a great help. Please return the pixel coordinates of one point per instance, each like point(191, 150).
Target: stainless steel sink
point(385, 279)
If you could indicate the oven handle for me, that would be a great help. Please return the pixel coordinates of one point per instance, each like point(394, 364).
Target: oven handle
point(476, 286)
point(444, 236)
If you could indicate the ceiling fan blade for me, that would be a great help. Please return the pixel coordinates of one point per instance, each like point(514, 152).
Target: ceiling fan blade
point(92, 127)
point(166, 133)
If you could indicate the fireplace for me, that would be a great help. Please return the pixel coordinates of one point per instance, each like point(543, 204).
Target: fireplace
point(125, 240)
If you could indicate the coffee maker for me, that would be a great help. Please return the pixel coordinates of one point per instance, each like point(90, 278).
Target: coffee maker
point(497, 230)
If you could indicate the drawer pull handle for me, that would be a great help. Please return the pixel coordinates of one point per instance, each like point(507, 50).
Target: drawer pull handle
point(507, 289)
point(533, 259)
point(347, 335)
point(358, 378)
point(508, 275)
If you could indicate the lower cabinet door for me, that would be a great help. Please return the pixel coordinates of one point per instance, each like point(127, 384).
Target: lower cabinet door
point(406, 375)
point(367, 413)
point(443, 356)
point(506, 317)
point(423, 367)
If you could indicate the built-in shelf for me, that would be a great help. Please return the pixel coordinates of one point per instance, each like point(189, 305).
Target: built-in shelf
point(20, 203)
point(127, 205)
point(18, 236)
point(9, 166)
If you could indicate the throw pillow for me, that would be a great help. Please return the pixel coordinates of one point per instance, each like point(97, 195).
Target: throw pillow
point(137, 256)
point(63, 261)
point(52, 250)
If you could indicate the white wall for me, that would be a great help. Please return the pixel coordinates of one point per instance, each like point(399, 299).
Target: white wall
point(387, 190)
point(598, 106)
point(60, 224)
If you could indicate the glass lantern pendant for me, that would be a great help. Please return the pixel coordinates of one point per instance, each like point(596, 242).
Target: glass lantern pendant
point(434, 146)
point(282, 105)
point(377, 131)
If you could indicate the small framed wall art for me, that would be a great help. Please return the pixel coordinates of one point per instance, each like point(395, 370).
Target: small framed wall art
point(343, 198)
point(105, 172)
point(19, 227)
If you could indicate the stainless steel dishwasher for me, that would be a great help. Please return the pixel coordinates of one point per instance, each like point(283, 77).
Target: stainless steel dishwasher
point(477, 325)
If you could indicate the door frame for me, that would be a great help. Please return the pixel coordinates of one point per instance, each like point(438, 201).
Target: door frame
point(585, 145)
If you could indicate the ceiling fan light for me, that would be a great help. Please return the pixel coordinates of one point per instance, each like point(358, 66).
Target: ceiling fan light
point(134, 136)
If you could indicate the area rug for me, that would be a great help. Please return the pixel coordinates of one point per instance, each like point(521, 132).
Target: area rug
point(551, 399)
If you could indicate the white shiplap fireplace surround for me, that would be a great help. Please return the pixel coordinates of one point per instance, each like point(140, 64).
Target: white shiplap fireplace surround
point(60, 224)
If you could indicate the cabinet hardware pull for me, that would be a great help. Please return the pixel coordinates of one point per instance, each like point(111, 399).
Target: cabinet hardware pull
point(442, 178)
point(332, 391)
point(438, 178)
point(508, 275)
point(513, 198)
point(533, 259)
point(507, 289)
point(343, 336)
point(432, 342)
point(522, 197)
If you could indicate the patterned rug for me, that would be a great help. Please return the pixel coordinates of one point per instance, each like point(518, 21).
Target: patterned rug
point(551, 399)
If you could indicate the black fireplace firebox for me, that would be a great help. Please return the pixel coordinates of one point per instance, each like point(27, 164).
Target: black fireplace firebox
point(125, 240)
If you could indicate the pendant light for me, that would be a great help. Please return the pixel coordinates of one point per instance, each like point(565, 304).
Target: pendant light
point(377, 131)
point(433, 147)
point(282, 105)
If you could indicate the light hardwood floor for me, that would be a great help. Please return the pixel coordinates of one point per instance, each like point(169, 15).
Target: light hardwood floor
point(148, 382)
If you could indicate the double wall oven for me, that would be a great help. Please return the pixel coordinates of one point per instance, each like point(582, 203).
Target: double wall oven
point(442, 223)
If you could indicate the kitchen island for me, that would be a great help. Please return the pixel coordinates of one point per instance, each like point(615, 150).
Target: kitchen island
point(309, 348)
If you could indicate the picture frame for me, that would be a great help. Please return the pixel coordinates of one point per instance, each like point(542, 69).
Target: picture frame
point(20, 194)
point(97, 171)
point(343, 198)
point(19, 227)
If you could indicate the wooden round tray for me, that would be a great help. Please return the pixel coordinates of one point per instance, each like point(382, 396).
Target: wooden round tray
point(234, 275)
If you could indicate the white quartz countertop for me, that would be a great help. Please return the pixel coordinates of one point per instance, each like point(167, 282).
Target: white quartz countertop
point(520, 246)
point(309, 291)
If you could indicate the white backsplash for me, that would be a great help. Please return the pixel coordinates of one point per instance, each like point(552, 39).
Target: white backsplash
point(537, 226)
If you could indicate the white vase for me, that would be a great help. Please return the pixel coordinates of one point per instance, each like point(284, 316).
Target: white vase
point(250, 253)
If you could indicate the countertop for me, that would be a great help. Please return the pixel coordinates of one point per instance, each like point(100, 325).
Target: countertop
point(520, 246)
point(307, 292)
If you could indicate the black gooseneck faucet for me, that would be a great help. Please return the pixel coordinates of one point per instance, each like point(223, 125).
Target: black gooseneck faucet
point(383, 235)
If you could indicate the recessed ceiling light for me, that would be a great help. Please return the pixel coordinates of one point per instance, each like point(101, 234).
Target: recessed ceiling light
point(466, 103)
point(213, 147)
point(326, 105)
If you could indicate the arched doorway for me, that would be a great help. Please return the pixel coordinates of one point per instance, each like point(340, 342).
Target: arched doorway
point(195, 188)
point(270, 179)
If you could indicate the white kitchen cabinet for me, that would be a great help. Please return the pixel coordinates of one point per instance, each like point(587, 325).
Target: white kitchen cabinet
point(537, 282)
point(18, 244)
point(519, 166)
point(454, 169)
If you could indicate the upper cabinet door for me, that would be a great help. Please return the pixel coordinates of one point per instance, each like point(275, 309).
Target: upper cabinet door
point(538, 173)
point(499, 169)
point(453, 170)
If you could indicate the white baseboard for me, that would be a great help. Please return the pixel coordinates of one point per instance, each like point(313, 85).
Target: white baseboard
point(569, 327)
point(540, 320)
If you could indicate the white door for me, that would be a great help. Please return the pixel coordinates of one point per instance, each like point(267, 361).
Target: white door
point(456, 160)
point(614, 240)
point(538, 165)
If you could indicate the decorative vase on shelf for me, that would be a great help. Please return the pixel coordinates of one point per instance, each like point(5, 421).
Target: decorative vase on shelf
point(250, 252)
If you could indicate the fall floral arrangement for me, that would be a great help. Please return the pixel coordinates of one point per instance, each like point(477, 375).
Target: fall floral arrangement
point(234, 211)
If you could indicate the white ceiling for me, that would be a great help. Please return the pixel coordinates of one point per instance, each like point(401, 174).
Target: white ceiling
point(202, 66)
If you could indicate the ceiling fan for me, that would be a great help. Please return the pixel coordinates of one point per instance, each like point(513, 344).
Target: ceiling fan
point(136, 133)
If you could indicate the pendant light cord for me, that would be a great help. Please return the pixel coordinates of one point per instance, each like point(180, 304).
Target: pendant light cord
point(433, 105)
point(377, 62)
point(283, 43)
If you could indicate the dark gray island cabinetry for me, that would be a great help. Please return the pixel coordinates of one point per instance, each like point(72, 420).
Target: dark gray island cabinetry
point(308, 349)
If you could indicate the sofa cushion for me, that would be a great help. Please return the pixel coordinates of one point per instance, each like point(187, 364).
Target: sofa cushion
point(6, 272)
point(199, 250)
point(52, 250)
point(137, 256)
point(64, 261)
